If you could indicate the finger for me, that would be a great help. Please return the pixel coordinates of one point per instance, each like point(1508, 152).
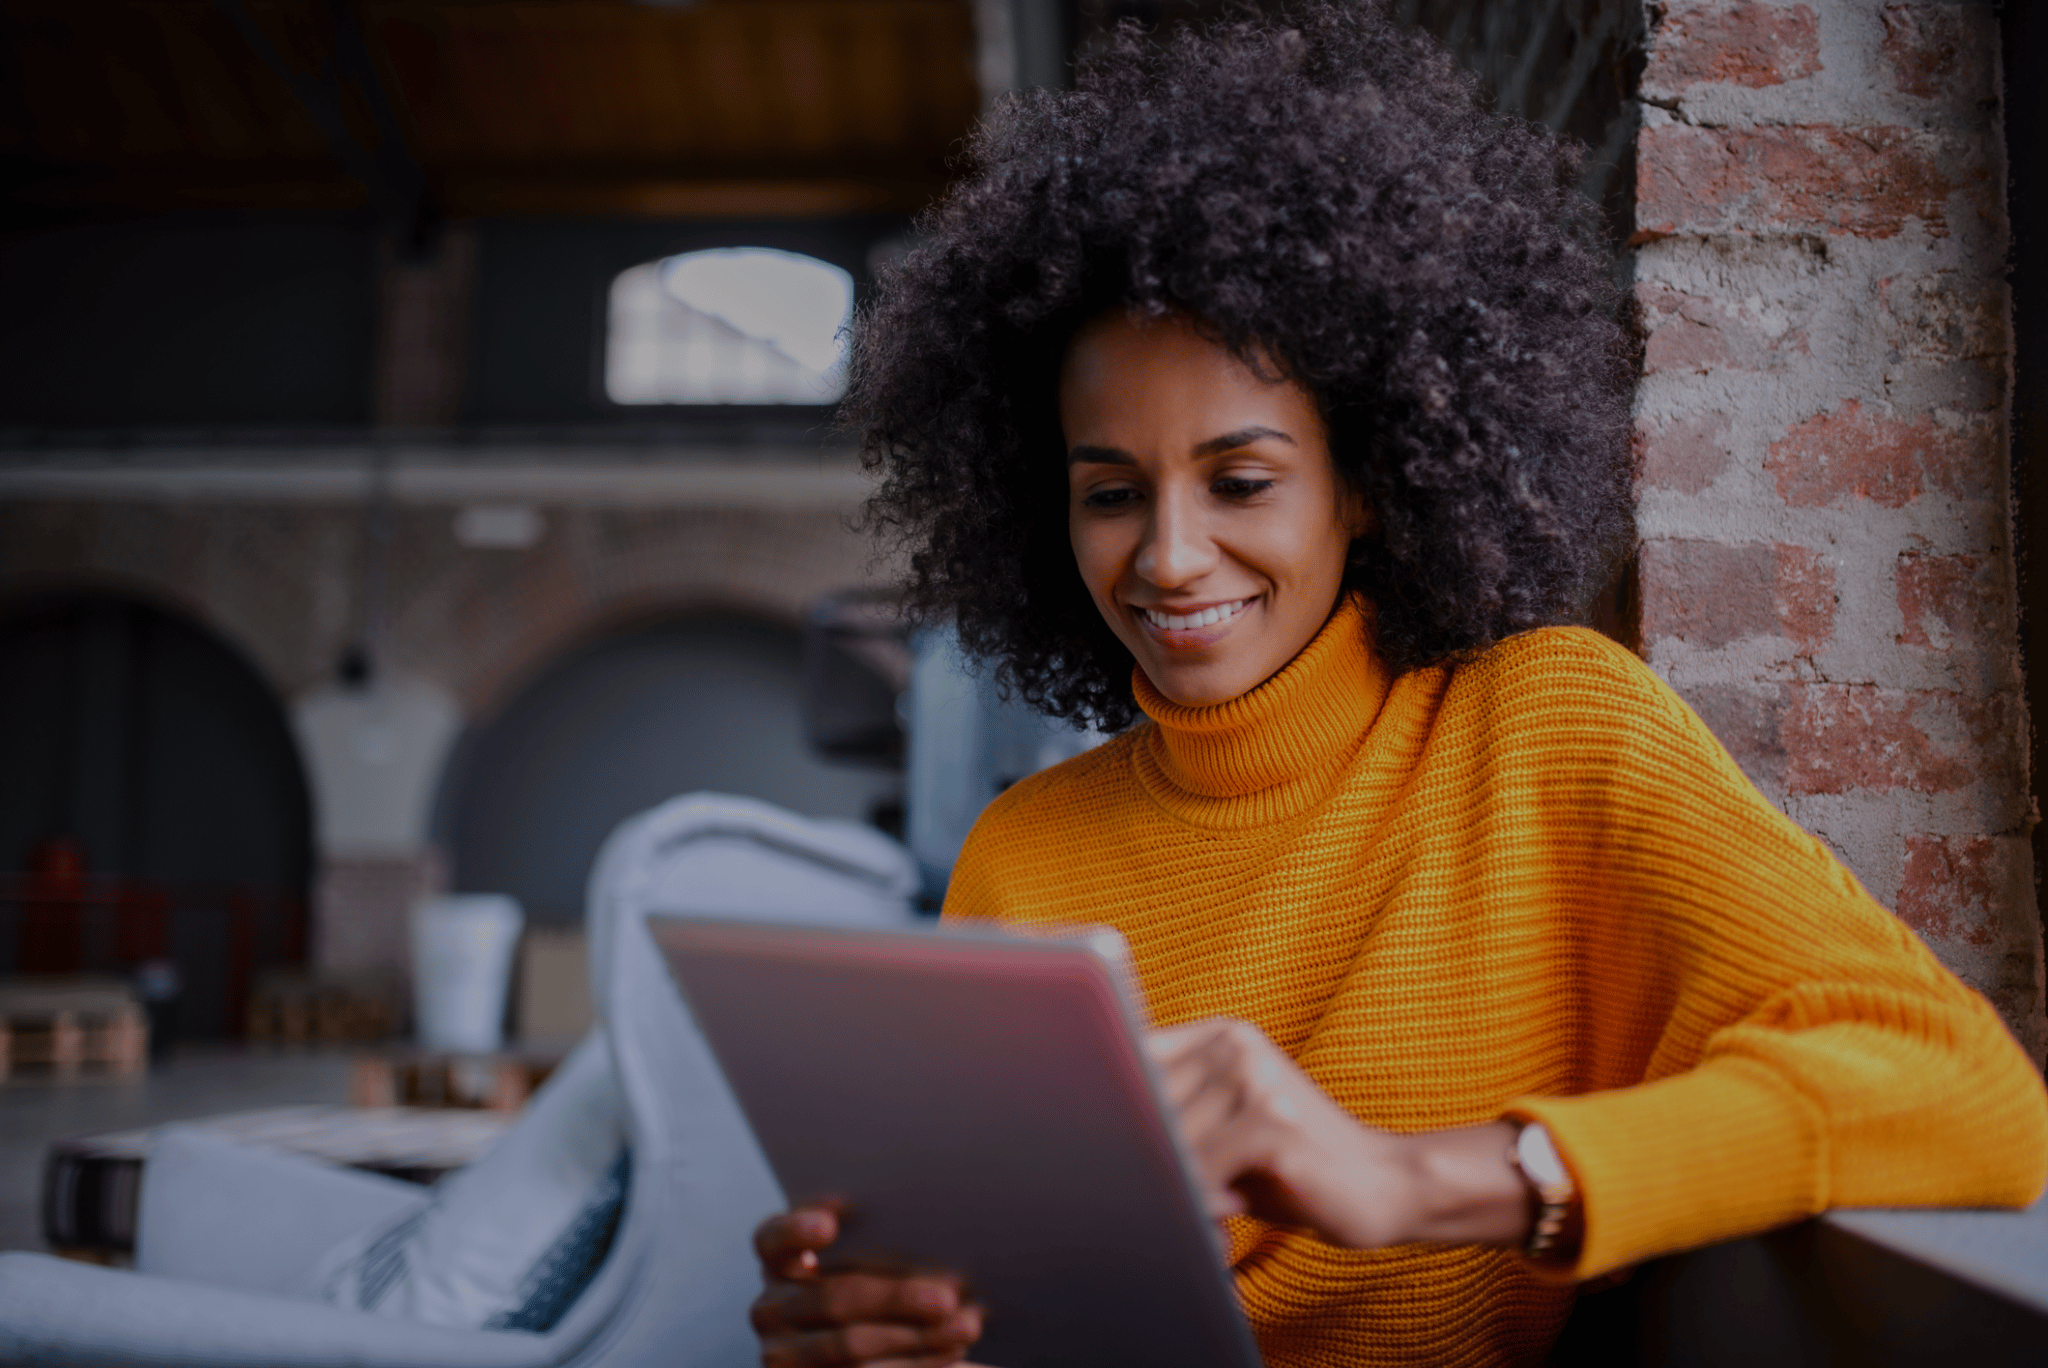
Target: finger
point(783, 1241)
point(1205, 1107)
point(1206, 1114)
point(1209, 1065)
point(1224, 1049)
point(842, 1299)
point(1220, 1204)
point(852, 1344)
point(1216, 1172)
point(1213, 1076)
point(806, 1349)
point(1259, 1077)
point(961, 1331)
point(1208, 1091)
point(1169, 1043)
point(950, 1338)
point(1228, 1139)
point(1182, 1084)
point(873, 1343)
point(1234, 1047)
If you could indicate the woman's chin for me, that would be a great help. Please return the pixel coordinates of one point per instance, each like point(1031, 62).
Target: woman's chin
point(1203, 685)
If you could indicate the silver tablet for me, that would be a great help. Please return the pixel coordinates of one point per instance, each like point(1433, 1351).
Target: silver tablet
point(982, 1104)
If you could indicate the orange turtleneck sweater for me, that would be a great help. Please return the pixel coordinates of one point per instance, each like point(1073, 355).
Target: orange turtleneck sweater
point(1531, 886)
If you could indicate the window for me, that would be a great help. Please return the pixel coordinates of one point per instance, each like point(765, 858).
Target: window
point(740, 325)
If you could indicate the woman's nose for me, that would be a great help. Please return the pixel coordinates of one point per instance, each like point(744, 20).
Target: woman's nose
point(1177, 549)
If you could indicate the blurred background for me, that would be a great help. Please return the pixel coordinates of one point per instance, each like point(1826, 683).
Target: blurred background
point(416, 456)
point(415, 439)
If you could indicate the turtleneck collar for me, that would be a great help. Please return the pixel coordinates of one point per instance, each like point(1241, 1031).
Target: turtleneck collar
point(1269, 753)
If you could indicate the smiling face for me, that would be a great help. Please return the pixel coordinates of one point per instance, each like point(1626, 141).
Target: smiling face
point(1207, 518)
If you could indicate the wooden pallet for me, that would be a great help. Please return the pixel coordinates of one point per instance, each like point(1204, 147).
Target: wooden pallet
point(291, 1009)
point(63, 1030)
point(421, 1078)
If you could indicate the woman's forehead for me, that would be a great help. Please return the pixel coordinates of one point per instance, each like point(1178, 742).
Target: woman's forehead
point(1169, 372)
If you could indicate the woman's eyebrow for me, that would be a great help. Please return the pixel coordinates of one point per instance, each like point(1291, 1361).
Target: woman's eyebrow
point(1229, 441)
point(1099, 455)
point(1243, 437)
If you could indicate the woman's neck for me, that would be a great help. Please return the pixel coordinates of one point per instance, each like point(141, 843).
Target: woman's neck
point(1302, 722)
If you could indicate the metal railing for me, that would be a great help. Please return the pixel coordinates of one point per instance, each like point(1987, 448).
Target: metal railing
point(217, 935)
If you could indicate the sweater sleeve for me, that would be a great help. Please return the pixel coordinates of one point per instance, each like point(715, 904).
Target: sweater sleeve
point(1772, 1042)
point(971, 887)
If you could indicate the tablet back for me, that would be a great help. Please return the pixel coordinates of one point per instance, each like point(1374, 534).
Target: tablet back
point(982, 1105)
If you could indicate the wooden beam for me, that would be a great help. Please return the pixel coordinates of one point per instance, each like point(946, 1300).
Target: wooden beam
point(459, 197)
point(652, 198)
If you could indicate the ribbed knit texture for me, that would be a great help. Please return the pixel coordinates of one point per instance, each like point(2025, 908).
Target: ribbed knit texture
point(1533, 885)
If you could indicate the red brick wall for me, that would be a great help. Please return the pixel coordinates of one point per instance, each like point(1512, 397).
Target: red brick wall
point(281, 579)
point(1827, 569)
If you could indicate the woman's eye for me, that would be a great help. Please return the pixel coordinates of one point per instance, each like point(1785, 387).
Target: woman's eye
point(1237, 487)
point(1109, 498)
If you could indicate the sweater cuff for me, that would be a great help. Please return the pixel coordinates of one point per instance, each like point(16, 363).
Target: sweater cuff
point(1726, 1150)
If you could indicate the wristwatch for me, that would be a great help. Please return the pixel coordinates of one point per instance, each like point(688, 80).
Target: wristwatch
point(1554, 1230)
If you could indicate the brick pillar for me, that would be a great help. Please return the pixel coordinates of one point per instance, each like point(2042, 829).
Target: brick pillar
point(1827, 568)
point(361, 910)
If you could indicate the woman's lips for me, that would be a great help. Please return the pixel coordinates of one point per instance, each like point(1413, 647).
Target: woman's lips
point(1196, 624)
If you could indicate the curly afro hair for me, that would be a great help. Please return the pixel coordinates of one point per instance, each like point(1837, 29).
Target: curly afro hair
point(1326, 192)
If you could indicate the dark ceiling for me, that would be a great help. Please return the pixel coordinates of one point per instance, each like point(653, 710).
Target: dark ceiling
point(483, 107)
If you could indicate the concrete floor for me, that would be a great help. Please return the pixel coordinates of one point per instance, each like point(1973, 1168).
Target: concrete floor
point(195, 1082)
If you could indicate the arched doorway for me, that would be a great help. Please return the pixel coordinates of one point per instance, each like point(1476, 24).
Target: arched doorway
point(152, 805)
point(708, 701)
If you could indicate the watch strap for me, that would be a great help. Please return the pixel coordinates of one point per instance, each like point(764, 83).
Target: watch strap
point(1554, 1226)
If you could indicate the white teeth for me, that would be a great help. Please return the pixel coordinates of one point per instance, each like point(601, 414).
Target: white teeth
point(1208, 617)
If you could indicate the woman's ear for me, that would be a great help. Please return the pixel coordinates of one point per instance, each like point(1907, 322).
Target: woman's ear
point(1355, 509)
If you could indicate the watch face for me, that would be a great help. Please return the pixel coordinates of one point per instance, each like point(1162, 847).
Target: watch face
point(1539, 1158)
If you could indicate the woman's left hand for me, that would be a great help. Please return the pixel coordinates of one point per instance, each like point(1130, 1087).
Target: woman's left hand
point(1269, 1143)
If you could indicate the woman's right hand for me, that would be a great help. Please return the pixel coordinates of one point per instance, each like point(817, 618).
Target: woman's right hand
point(808, 1318)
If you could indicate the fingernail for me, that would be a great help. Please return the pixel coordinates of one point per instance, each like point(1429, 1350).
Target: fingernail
point(932, 1299)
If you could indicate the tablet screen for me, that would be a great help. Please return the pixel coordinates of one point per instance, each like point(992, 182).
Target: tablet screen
point(982, 1105)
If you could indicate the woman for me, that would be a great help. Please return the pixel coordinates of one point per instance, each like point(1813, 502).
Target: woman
point(1481, 968)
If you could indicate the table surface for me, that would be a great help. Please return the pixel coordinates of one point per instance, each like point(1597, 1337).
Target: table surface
point(2004, 1251)
point(363, 1137)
